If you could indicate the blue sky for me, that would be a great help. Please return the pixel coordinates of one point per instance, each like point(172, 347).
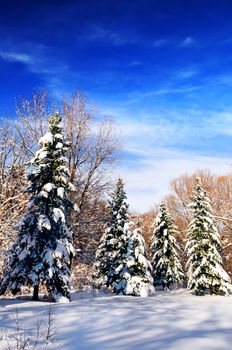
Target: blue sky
point(162, 69)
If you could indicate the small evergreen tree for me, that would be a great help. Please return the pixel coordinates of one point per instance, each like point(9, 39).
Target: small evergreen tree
point(166, 265)
point(134, 269)
point(113, 244)
point(43, 250)
point(206, 274)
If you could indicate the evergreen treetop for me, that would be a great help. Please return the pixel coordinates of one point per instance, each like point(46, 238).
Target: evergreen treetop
point(113, 243)
point(134, 269)
point(43, 250)
point(206, 273)
point(167, 270)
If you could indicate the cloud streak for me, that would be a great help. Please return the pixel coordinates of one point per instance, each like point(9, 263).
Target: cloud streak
point(188, 42)
point(159, 147)
point(16, 57)
point(98, 33)
point(149, 182)
point(160, 43)
point(41, 61)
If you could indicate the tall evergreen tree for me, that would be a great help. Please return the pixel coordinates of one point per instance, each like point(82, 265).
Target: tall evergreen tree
point(206, 274)
point(43, 250)
point(113, 244)
point(167, 270)
point(134, 269)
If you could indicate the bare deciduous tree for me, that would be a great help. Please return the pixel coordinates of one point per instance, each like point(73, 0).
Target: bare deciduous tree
point(31, 123)
point(12, 185)
point(94, 146)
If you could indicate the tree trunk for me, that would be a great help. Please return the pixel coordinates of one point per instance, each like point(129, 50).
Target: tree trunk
point(36, 293)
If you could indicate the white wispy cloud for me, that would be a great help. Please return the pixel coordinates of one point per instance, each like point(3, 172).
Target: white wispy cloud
point(12, 56)
point(108, 36)
point(185, 74)
point(172, 127)
point(158, 148)
point(173, 42)
point(180, 89)
point(148, 183)
point(135, 64)
point(152, 131)
point(161, 43)
point(219, 123)
point(188, 42)
point(171, 88)
point(39, 60)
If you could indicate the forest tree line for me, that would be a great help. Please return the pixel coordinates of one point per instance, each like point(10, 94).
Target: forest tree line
point(94, 149)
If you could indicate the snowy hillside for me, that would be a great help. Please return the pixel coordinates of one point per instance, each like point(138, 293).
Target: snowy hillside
point(167, 321)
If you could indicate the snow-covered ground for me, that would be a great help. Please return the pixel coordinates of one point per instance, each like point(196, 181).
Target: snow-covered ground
point(165, 321)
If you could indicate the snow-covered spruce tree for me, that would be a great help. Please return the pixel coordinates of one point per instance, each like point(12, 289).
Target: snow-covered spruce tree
point(206, 274)
point(42, 252)
point(167, 270)
point(134, 270)
point(113, 244)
